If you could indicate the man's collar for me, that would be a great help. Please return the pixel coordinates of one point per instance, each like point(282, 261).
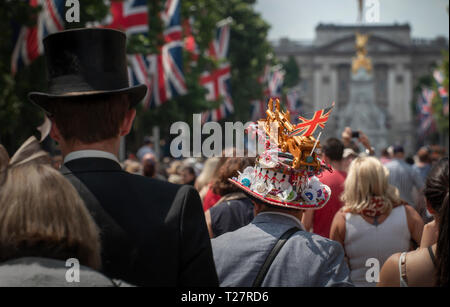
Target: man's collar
point(79, 154)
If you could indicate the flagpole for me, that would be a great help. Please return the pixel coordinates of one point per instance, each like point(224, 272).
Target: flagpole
point(315, 144)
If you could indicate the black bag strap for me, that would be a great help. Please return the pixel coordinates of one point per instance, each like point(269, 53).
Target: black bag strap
point(271, 257)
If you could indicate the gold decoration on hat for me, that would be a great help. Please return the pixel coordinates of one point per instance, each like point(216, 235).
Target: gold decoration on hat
point(278, 126)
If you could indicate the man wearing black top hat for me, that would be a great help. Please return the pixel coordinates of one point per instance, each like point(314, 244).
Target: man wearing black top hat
point(153, 233)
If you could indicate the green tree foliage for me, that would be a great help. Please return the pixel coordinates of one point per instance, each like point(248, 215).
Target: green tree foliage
point(247, 54)
point(292, 72)
point(18, 117)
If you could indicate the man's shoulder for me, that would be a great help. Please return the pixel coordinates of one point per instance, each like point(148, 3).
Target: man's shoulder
point(157, 188)
point(237, 236)
point(316, 244)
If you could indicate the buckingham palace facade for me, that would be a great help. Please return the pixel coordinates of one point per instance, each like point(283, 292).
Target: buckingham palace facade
point(398, 62)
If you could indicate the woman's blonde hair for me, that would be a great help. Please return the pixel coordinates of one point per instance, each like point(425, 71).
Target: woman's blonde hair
point(368, 178)
point(41, 213)
point(207, 174)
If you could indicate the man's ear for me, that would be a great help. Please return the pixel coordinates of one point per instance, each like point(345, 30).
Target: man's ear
point(127, 122)
point(55, 134)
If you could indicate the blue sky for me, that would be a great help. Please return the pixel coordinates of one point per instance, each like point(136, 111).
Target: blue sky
point(297, 19)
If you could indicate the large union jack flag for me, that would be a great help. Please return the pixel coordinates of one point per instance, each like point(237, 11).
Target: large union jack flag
point(163, 72)
point(217, 82)
point(28, 40)
point(129, 16)
point(308, 127)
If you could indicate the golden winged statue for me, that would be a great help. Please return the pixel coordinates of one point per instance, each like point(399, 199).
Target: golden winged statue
point(361, 59)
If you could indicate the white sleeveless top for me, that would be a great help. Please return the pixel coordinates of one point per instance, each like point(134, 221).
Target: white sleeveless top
point(364, 241)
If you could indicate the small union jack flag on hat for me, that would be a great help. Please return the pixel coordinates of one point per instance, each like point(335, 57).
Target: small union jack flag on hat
point(308, 127)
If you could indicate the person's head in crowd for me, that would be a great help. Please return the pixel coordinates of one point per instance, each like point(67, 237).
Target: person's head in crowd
point(423, 155)
point(41, 213)
point(348, 141)
point(399, 152)
point(333, 150)
point(188, 175)
point(175, 178)
point(409, 160)
point(76, 124)
point(347, 157)
point(149, 165)
point(175, 167)
point(385, 153)
point(148, 141)
point(206, 176)
point(132, 167)
point(436, 153)
point(332, 153)
point(437, 196)
point(229, 169)
point(366, 181)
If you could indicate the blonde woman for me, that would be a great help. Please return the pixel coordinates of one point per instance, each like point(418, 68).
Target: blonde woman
point(43, 223)
point(203, 181)
point(374, 222)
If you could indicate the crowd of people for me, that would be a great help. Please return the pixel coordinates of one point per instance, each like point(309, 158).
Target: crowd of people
point(156, 221)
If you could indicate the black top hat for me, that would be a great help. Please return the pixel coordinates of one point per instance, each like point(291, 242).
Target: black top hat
point(87, 62)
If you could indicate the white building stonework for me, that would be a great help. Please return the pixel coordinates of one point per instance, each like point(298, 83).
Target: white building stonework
point(398, 63)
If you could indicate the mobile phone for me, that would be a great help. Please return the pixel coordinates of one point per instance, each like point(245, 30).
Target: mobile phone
point(355, 134)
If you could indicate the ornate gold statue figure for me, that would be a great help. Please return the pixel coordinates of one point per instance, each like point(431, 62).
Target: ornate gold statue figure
point(361, 59)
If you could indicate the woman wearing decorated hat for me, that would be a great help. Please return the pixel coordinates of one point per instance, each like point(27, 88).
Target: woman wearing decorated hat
point(274, 249)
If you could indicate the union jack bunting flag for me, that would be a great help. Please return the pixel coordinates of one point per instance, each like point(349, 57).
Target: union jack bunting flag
point(424, 108)
point(129, 16)
point(443, 92)
point(190, 44)
point(217, 82)
point(28, 40)
point(273, 81)
point(308, 127)
point(258, 109)
point(163, 72)
point(140, 68)
point(292, 103)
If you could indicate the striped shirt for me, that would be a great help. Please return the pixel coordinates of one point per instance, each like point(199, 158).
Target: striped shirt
point(404, 177)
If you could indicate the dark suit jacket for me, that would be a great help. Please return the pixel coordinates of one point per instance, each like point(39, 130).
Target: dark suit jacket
point(156, 235)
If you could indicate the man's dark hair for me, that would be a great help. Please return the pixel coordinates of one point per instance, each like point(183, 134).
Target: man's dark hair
point(333, 149)
point(269, 206)
point(89, 119)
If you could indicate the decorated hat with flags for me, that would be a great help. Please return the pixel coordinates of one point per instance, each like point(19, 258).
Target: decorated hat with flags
point(286, 172)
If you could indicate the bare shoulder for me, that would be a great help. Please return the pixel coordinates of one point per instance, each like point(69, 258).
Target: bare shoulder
point(410, 210)
point(389, 275)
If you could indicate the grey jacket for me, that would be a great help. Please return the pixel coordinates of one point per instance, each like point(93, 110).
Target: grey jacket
point(306, 259)
point(45, 272)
